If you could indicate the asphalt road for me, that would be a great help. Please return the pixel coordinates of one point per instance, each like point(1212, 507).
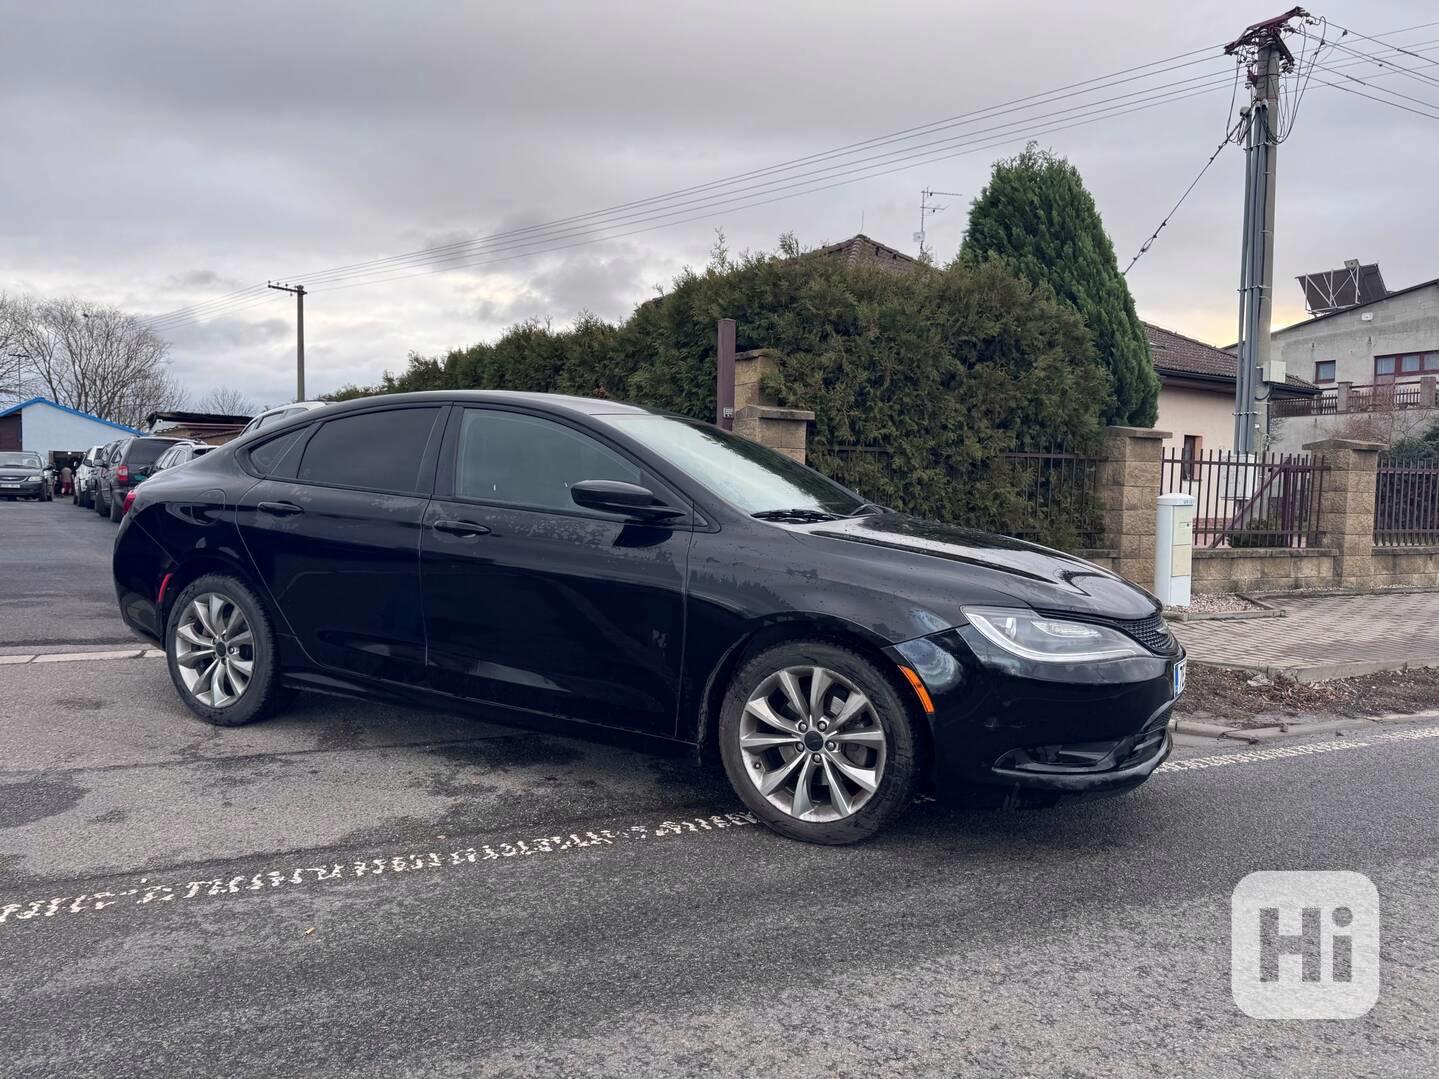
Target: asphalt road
point(356, 889)
point(54, 580)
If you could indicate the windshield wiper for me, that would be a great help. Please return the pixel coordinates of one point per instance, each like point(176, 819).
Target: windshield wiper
point(867, 509)
point(801, 513)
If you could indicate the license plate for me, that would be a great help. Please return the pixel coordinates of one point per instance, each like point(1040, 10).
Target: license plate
point(1179, 677)
point(13, 486)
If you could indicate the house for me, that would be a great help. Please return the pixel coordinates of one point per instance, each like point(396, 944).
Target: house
point(1196, 391)
point(212, 428)
point(860, 251)
point(43, 426)
point(1376, 361)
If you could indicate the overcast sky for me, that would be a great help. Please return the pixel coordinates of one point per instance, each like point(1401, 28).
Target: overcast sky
point(158, 155)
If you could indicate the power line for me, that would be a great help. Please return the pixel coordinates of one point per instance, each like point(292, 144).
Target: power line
point(1116, 78)
point(460, 255)
point(743, 204)
point(989, 112)
point(1147, 244)
point(1381, 89)
point(746, 202)
point(1417, 75)
point(1381, 100)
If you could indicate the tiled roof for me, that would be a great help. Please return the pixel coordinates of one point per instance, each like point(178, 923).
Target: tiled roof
point(1175, 354)
point(860, 250)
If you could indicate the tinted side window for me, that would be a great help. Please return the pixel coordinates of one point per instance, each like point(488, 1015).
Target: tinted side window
point(376, 450)
point(528, 461)
point(267, 457)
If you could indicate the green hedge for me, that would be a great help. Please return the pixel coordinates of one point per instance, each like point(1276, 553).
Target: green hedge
point(941, 372)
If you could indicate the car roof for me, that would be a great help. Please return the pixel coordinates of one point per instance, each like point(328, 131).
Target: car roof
point(588, 406)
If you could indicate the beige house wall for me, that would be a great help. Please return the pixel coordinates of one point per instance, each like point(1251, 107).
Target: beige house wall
point(1185, 411)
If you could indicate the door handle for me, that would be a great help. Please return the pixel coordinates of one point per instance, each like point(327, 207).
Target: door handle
point(460, 528)
point(279, 509)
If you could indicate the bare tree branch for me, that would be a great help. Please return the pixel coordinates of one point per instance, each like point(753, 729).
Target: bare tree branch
point(89, 357)
point(227, 401)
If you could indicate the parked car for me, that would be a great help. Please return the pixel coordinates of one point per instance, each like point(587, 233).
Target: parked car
point(129, 463)
point(24, 474)
point(86, 475)
point(182, 452)
point(273, 416)
point(587, 566)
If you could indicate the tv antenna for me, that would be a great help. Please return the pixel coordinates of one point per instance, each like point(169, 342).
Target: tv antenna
point(926, 208)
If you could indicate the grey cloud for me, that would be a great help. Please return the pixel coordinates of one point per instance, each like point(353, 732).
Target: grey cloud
point(164, 143)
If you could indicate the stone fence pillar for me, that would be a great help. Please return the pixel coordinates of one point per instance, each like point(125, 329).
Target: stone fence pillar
point(757, 417)
point(1346, 507)
point(1129, 498)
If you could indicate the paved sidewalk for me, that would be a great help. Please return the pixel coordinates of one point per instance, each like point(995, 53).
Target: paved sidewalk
point(1326, 637)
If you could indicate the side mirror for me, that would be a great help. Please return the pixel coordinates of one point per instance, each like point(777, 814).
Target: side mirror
point(628, 499)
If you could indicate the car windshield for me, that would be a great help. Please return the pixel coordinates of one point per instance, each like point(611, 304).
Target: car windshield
point(752, 477)
point(21, 460)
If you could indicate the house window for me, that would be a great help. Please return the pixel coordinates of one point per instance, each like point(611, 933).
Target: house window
point(1324, 371)
point(1188, 456)
point(1406, 363)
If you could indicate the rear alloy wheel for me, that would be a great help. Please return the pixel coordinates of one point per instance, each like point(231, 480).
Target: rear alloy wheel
point(818, 743)
point(221, 651)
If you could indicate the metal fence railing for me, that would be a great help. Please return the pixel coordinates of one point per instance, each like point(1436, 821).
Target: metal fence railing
point(1249, 500)
point(1406, 501)
point(1044, 497)
point(1359, 397)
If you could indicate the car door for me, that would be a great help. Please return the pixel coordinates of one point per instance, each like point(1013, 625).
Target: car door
point(333, 530)
point(534, 603)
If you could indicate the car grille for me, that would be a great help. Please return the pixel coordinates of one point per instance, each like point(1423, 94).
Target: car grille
point(1152, 633)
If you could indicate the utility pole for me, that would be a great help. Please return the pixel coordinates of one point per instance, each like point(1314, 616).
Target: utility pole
point(299, 291)
point(926, 208)
point(1269, 59)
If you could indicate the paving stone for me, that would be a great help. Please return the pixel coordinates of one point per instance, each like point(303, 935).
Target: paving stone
point(1390, 630)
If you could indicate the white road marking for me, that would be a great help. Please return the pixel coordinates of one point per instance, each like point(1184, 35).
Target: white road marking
point(71, 657)
point(388, 867)
point(1253, 756)
point(289, 877)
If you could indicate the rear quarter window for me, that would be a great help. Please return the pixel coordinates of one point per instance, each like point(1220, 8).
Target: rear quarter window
point(379, 451)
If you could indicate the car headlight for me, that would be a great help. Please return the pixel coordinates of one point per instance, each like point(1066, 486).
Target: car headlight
point(32, 479)
point(1053, 640)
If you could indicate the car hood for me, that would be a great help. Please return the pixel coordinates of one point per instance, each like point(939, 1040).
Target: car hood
point(19, 472)
point(1039, 577)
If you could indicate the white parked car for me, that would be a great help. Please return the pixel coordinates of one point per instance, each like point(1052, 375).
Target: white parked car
point(282, 412)
point(86, 475)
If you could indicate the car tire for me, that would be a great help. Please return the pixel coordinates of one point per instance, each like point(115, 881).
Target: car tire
point(99, 504)
point(115, 511)
point(864, 742)
point(262, 694)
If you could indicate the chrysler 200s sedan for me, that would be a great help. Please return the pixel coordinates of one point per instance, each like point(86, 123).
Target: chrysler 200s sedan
point(586, 566)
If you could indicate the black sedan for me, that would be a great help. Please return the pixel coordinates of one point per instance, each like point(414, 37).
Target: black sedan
point(586, 566)
point(25, 475)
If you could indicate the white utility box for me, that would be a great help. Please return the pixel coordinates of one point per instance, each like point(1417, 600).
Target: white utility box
point(1174, 549)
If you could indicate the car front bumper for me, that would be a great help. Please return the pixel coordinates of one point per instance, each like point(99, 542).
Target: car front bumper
point(1070, 730)
point(21, 489)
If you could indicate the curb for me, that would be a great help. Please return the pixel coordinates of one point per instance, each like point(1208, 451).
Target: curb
point(1266, 610)
point(1320, 672)
point(1337, 727)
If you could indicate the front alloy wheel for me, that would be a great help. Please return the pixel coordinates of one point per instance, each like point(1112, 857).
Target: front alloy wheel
point(812, 744)
point(215, 650)
point(818, 741)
